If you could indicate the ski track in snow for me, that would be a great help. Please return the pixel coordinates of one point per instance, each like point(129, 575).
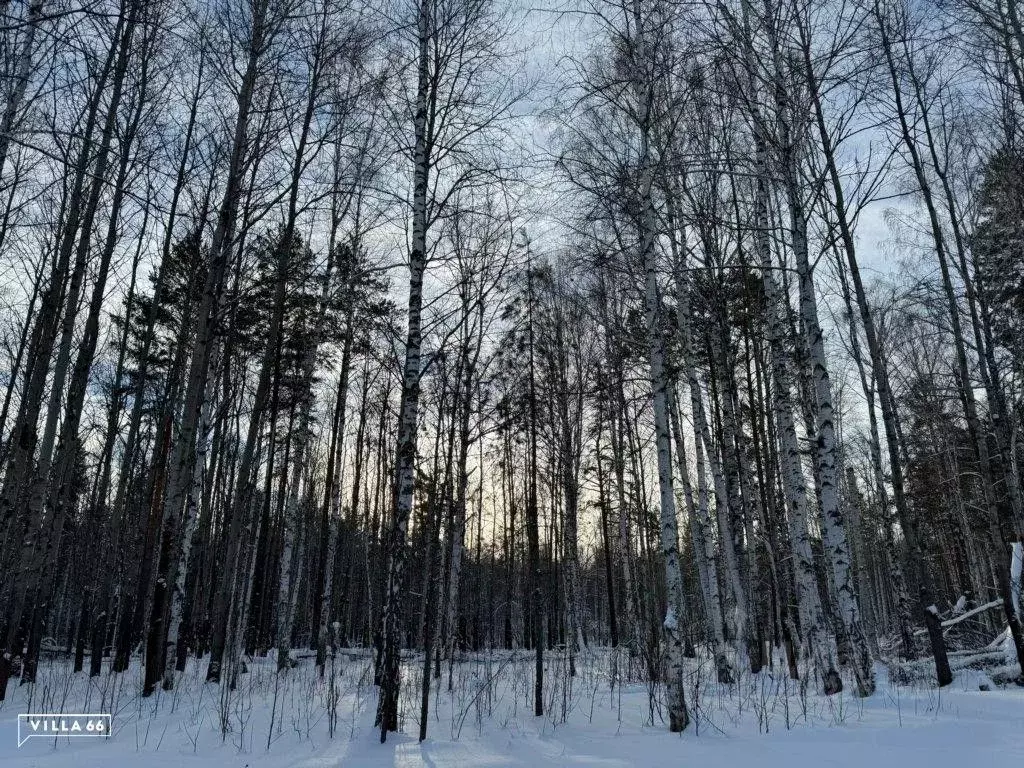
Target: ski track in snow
point(902, 727)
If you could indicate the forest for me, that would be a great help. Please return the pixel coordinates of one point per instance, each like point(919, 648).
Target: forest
point(682, 335)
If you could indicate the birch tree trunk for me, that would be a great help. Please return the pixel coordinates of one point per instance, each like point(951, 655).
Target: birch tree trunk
point(833, 522)
point(405, 460)
point(679, 716)
point(724, 525)
point(816, 643)
point(172, 652)
point(700, 528)
point(703, 547)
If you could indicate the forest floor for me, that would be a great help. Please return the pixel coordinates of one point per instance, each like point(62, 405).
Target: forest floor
point(271, 721)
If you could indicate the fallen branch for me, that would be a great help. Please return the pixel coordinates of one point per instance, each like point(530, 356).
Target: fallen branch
point(957, 619)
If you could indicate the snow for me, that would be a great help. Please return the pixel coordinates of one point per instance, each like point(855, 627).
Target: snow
point(765, 721)
point(670, 620)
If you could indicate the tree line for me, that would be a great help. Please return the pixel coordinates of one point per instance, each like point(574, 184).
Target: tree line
point(328, 324)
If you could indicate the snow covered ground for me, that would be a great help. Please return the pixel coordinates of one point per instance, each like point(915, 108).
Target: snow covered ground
point(486, 719)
